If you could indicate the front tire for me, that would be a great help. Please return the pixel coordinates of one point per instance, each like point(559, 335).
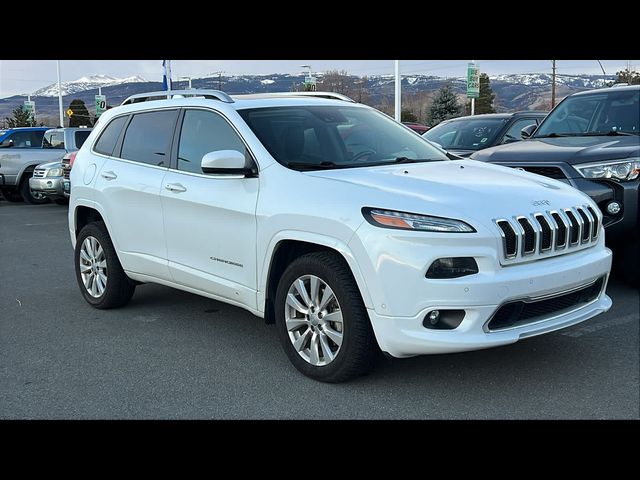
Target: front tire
point(28, 195)
point(99, 273)
point(321, 320)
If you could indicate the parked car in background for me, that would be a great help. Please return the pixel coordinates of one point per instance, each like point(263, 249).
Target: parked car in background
point(465, 135)
point(331, 220)
point(416, 127)
point(48, 178)
point(591, 141)
point(20, 152)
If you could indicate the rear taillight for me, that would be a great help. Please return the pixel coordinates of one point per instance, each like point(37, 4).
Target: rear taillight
point(72, 158)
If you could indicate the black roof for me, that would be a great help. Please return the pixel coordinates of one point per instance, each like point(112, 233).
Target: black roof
point(624, 88)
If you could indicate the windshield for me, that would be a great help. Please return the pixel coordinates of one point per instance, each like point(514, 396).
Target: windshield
point(316, 137)
point(467, 133)
point(603, 113)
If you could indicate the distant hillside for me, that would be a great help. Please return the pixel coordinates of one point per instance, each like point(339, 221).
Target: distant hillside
point(513, 91)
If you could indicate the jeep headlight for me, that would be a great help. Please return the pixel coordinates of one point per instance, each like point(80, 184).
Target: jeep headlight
point(412, 221)
point(53, 172)
point(620, 170)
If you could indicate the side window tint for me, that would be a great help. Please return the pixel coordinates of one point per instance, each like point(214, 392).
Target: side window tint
point(21, 140)
point(203, 132)
point(148, 137)
point(109, 136)
point(513, 133)
point(80, 136)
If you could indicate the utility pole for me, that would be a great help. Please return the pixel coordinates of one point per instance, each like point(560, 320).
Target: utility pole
point(398, 92)
point(60, 94)
point(553, 83)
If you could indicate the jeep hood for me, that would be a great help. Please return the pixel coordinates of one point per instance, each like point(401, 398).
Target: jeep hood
point(459, 189)
point(572, 150)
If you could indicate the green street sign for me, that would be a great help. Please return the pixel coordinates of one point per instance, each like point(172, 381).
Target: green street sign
point(30, 108)
point(473, 80)
point(101, 104)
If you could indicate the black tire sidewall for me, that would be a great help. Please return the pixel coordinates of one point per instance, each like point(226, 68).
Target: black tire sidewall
point(25, 192)
point(352, 307)
point(116, 293)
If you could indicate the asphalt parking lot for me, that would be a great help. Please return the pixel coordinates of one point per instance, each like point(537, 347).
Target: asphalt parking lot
point(170, 354)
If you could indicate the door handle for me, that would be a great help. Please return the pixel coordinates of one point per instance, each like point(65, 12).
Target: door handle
point(175, 187)
point(109, 175)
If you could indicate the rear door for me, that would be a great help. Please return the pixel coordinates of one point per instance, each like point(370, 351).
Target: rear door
point(128, 190)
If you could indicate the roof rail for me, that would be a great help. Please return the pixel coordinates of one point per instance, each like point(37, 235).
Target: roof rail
point(162, 95)
point(330, 95)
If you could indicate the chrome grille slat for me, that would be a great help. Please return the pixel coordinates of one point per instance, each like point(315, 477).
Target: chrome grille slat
point(551, 232)
point(38, 173)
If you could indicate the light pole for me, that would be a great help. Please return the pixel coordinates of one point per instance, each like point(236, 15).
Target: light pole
point(60, 94)
point(186, 78)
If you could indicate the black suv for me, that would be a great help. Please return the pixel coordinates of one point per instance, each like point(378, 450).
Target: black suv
point(464, 135)
point(591, 141)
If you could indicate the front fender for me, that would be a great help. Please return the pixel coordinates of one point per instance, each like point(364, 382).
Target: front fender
point(318, 239)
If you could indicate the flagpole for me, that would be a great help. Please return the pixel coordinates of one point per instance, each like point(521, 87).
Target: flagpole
point(168, 79)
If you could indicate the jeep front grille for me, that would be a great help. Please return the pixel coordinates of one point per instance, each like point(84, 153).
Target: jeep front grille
point(549, 233)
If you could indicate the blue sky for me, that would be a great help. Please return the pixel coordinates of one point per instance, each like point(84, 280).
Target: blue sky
point(25, 76)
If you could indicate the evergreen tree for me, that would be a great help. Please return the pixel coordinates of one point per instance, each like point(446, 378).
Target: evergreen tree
point(80, 115)
point(484, 103)
point(21, 118)
point(445, 105)
point(408, 116)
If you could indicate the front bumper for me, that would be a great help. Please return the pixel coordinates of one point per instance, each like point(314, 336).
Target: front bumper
point(394, 273)
point(50, 186)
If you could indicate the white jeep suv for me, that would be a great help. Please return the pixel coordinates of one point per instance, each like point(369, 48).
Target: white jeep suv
point(326, 217)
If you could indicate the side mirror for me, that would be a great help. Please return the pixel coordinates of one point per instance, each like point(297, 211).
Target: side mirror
point(527, 131)
point(225, 162)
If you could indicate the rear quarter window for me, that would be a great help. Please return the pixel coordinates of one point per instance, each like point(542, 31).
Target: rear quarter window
point(109, 137)
point(80, 136)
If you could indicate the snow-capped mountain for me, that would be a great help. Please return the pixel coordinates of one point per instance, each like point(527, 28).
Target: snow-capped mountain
point(543, 79)
point(86, 83)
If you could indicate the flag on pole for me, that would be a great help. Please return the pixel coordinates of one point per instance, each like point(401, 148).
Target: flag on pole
point(166, 74)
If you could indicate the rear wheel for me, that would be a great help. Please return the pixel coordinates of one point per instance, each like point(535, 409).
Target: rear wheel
point(31, 196)
point(99, 273)
point(321, 319)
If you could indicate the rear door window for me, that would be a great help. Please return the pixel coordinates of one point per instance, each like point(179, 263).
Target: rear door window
point(148, 137)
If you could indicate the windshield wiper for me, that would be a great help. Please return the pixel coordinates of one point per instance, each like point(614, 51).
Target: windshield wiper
point(610, 133)
point(313, 166)
point(558, 135)
point(411, 160)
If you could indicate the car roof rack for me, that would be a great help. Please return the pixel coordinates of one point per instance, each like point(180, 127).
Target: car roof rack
point(165, 94)
point(329, 95)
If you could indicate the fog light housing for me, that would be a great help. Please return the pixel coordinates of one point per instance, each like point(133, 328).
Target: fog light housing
point(613, 208)
point(443, 319)
point(452, 267)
